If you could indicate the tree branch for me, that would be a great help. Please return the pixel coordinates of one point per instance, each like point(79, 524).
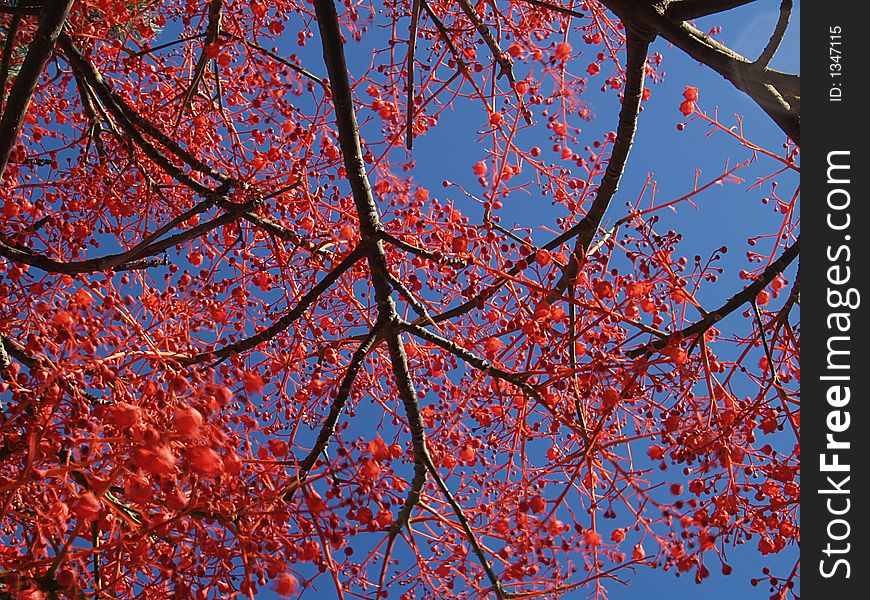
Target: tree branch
point(776, 38)
point(134, 123)
point(277, 58)
point(6, 59)
point(285, 321)
point(498, 55)
point(564, 10)
point(770, 89)
point(327, 430)
point(736, 301)
point(423, 253)
point(635, 69)
point(215, 12)
point(412, 45)
point(51, 20)
point(481, 364)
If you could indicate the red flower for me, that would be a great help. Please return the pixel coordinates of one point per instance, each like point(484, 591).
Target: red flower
point(187, 421)
point(205, 461)
point(563, 51)
point(691, 94)
point(286, 585)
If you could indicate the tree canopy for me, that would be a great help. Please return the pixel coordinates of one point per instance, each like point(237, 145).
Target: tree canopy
point(243, 347)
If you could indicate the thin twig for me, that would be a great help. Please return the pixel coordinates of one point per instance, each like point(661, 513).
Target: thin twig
point(327, 430)
point(776, 38)
point(285, 321)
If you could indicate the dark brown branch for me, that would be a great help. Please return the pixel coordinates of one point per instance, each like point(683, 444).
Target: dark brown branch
point(498, 54)
point(748, 294)
point(564, 10)
point(19, 10)
point(370, 229)
point(17, 352)
point(767, 352)
point(215, 13)
point(635, 69)
point(115, 105)
point(51, 20)
point(469, 534)
point(276, 58)
point(793, 297)
point(423, 253)
point(92, 107)
point(25, 257)
point(409, 297)
point(774, 92)
point(412, 45)
point(133, 122)
point(479, 363)
point(445, 35)
point(4, 357)
point(285, 321)
point(327, 430)
point(6, 59)
point(136, 257)
point(150, 49)
point(776, 38)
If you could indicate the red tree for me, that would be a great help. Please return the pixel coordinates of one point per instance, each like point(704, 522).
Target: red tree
point(240, 344)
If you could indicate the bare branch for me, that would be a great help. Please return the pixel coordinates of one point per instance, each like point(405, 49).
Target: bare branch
point(635, 69)
point(500, 57)
point(285, 321)
point(776, 38)
point(134, 123)
point(423, 253)
point(16, 351)
point(26, 257)
point(6, 59)
point(409, 297)
point(686, 10)
point(51, 20)
point(734, 302)
point(277, 58)
point(564, 10)
point(774, 92)
point(215, 12)
point(327, 430)
point(412, 45)
point(479, 363)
